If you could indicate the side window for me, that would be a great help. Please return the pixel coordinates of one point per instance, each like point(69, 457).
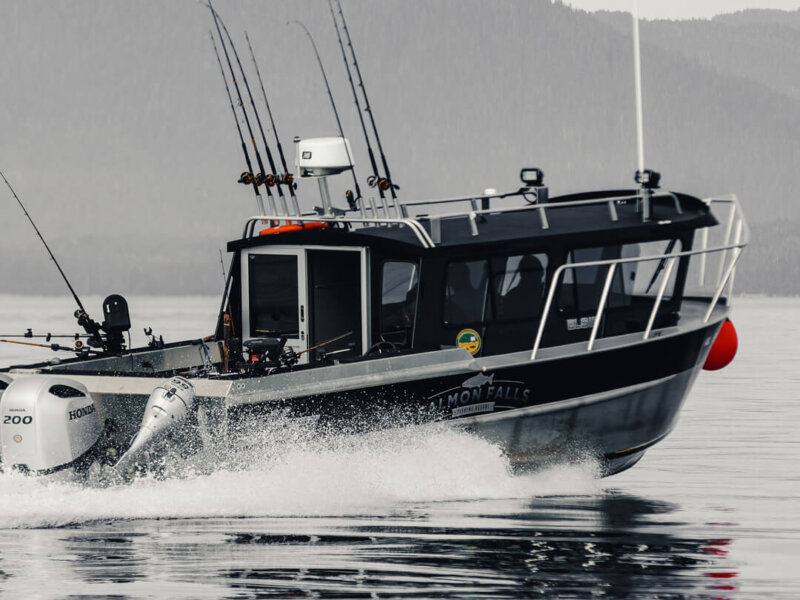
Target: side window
point(399, 285)
point(582, 287)
point(518, 286)
point(649, 275)
point(466, 287)
point(273, 295)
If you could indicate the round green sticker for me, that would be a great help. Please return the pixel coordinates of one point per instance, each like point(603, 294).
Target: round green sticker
point(469, 339)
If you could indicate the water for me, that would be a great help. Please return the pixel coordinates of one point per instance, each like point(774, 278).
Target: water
point(711, 512)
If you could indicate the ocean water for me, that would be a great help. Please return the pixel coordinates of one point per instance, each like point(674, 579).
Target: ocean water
point(711, 512)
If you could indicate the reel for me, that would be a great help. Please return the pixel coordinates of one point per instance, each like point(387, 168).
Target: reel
point(382, 183)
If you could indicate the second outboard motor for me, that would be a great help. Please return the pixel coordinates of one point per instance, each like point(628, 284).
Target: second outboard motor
point(47, 423)
point(168, 406)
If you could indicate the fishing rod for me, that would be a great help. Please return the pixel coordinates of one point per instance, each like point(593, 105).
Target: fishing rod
point(259, 178)
point(45, 336)
point(46, 247)
point(270, 179)
point(287, 177)
point(384, 183)
point(225, 280)
point(250, 176)
point(350, 199)
point(91, 327)
point(326, 342)
point(222, 264)
point(247, 176)
point(79, 347)
point(375, 173)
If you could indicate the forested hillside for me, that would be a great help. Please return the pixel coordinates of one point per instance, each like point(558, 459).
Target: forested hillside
point(116, 131)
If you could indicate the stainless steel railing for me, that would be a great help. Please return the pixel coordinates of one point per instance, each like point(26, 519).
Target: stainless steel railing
point(475, 212)
point(735, 238)
point(430, 240)
point(415, 226)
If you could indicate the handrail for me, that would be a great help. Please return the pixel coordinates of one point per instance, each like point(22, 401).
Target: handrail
point(602, 304)
point(474, 212)
point(533, 206)
point(463, 198)
point(472, 215)
point(737, 248)
point(659, 296)
point(415, 226)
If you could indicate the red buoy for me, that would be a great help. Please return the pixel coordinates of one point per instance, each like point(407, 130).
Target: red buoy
point(724, 348)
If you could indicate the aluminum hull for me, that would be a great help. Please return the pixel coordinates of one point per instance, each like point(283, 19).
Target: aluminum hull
point(611, 403)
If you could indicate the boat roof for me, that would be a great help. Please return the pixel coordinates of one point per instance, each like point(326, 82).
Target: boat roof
point(580, 220)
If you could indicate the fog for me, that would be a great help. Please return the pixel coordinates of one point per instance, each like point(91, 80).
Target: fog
point(116, 132)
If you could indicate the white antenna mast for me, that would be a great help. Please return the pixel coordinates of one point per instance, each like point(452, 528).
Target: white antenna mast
point(637, 67)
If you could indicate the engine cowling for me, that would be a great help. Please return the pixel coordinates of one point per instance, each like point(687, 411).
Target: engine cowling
point(167, 408)
point(46, 423)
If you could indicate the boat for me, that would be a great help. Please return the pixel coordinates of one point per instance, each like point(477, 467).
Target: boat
point(557, 327)
point(548, 325)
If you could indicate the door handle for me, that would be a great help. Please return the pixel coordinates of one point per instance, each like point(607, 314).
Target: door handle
point(302, 313)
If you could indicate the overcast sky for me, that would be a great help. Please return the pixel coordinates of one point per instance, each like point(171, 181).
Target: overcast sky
point(683, 9)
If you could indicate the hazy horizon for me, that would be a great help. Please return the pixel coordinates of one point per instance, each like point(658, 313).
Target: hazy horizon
point(683, 9)
point(117, 132)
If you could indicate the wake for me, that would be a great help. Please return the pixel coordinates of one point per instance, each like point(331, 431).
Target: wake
point(286, 471)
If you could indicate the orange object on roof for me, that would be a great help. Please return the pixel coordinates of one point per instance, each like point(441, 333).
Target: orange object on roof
point(294, 227)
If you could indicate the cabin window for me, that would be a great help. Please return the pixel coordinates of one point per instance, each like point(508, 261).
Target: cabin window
point(646, 277)
point(582, 287)
point(273, 295)
point(399, 286)
point(465, 292)
point(518, 286)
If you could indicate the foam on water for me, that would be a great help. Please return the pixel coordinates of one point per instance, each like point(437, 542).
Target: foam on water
point(334, 475)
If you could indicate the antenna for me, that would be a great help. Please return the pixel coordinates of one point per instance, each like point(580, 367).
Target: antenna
point(637, 68)
point(647, 179)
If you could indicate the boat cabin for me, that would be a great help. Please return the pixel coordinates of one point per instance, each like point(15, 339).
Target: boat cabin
point(342, 288)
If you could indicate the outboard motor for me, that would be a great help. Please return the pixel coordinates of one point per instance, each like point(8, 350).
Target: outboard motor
point(168, 406)
point(47, 423)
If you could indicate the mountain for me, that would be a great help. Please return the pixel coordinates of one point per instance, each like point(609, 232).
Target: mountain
point(116, 130)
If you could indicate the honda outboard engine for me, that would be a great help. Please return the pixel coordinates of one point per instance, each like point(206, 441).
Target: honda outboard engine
point(47, 423)
point(168, 406)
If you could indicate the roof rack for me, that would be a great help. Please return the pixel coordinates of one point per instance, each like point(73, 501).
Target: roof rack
point(431, 236)
point(414, 225)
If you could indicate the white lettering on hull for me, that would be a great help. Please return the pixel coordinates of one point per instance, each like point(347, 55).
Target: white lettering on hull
point(473, 408)
point(480, 390)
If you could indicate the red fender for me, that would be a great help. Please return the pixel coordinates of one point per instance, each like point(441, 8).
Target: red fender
point(723, 349)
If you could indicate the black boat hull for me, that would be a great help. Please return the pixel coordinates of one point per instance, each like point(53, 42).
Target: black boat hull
point(610, 404)
point(613, 427)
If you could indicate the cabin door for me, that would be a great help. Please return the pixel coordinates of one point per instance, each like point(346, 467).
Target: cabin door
point(337, 305)
point(274, 297)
